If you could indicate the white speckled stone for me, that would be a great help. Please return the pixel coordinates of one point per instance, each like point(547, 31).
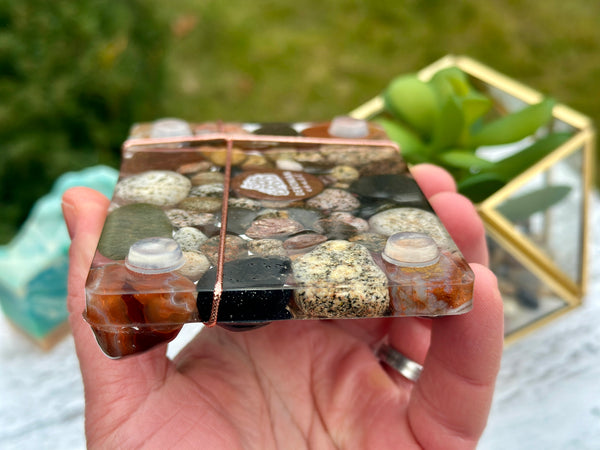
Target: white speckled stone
point(335, 200)
point(157, 187)
point(189, 238)
point(340, 279)
point(413, 220)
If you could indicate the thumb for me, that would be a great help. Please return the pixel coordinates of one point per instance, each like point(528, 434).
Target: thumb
point(84, 211)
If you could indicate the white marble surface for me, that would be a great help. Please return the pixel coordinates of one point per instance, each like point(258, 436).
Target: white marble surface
point(547, 396)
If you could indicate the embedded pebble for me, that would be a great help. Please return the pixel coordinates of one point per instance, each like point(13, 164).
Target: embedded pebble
point(235, 248)
point(201, 204)
point(189, 238)
point(345, 174)
point(256, 162)
point(309, 157)
point(345, 217)
point(218, 156)
point(181, 218)
point(253, 290)
point(128, 224)
point(238, 219)
point(267, 247)
point(276, 129)
point(288, 164)
point(303, 242)
point(244, 203)
point(270, 213)
point(207, 178)
point(400, 188)
point(273, 227)
point(356, 156)
point(195, 167)
point(208, 190)
point(334, 229)
point(156, 187)
point(334, 199)
point(340, 279)
point(372, 241)
point(412, 220)
point(196, 264)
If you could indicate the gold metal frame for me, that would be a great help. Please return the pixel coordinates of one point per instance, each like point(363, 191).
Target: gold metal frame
point(498, 227)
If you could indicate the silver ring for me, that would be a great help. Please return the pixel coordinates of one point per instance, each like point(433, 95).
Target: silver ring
point(406, 367)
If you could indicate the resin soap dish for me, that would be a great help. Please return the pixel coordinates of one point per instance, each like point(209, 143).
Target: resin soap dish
point(243, 224)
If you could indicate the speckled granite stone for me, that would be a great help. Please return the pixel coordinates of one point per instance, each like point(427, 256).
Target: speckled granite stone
point(340, 279)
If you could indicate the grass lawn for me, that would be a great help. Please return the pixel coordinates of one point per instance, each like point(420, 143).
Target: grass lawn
point(260, 60)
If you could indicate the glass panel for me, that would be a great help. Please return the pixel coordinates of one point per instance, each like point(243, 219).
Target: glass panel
point(548, 210)
point(526, 297)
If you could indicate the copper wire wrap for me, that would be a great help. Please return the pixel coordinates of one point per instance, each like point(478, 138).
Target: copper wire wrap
point(132, 145)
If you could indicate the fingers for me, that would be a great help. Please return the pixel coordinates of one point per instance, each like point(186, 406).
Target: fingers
point(85, 210)
point(433, 179)
point(460, 218)
point(456, 387)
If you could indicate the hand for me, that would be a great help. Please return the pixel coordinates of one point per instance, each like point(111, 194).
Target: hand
point(297, 384)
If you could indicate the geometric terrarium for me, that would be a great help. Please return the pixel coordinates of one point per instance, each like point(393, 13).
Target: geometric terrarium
point(537, 219)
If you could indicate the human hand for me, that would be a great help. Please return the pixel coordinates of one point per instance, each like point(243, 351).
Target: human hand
point(297, 384)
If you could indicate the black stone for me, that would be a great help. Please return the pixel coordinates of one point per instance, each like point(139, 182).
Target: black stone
point(238, 219)
point(402, 189)
point(252, 290)
point(276, 129)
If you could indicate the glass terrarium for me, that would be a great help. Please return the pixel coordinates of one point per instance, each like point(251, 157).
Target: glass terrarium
point(537, 222)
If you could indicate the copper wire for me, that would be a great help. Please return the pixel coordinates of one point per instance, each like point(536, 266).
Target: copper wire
point(218, 290)
point(149, 144)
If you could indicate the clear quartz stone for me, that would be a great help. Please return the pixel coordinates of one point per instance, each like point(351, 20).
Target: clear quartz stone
point(411, 250)
point(154, 255)
point(348, 127)
point(170, 127)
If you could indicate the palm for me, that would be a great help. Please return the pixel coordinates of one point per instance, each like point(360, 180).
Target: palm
point(295, 384)
point(318, 391)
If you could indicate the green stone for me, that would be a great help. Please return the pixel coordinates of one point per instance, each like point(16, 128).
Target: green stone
point(129, 224)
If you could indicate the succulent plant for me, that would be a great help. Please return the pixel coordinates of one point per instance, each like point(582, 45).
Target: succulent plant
point(446, 119)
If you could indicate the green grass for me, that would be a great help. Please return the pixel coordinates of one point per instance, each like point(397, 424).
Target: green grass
point(254, 60)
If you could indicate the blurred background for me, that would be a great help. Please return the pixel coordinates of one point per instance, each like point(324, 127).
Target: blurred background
point(74, 75)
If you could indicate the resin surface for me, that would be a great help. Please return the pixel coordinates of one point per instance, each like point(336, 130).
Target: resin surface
point(302, 225)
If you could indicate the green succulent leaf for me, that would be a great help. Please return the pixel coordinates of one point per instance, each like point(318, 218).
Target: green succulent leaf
point(464, 159)
point(513, 165)
point(515, 126)
point(480, 186)
point(412, 101)
point(450, 81)
point(411, 146)
point(518, 209)
point(448, 125)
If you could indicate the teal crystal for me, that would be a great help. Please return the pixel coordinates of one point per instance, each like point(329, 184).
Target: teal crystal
point(34, 265)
